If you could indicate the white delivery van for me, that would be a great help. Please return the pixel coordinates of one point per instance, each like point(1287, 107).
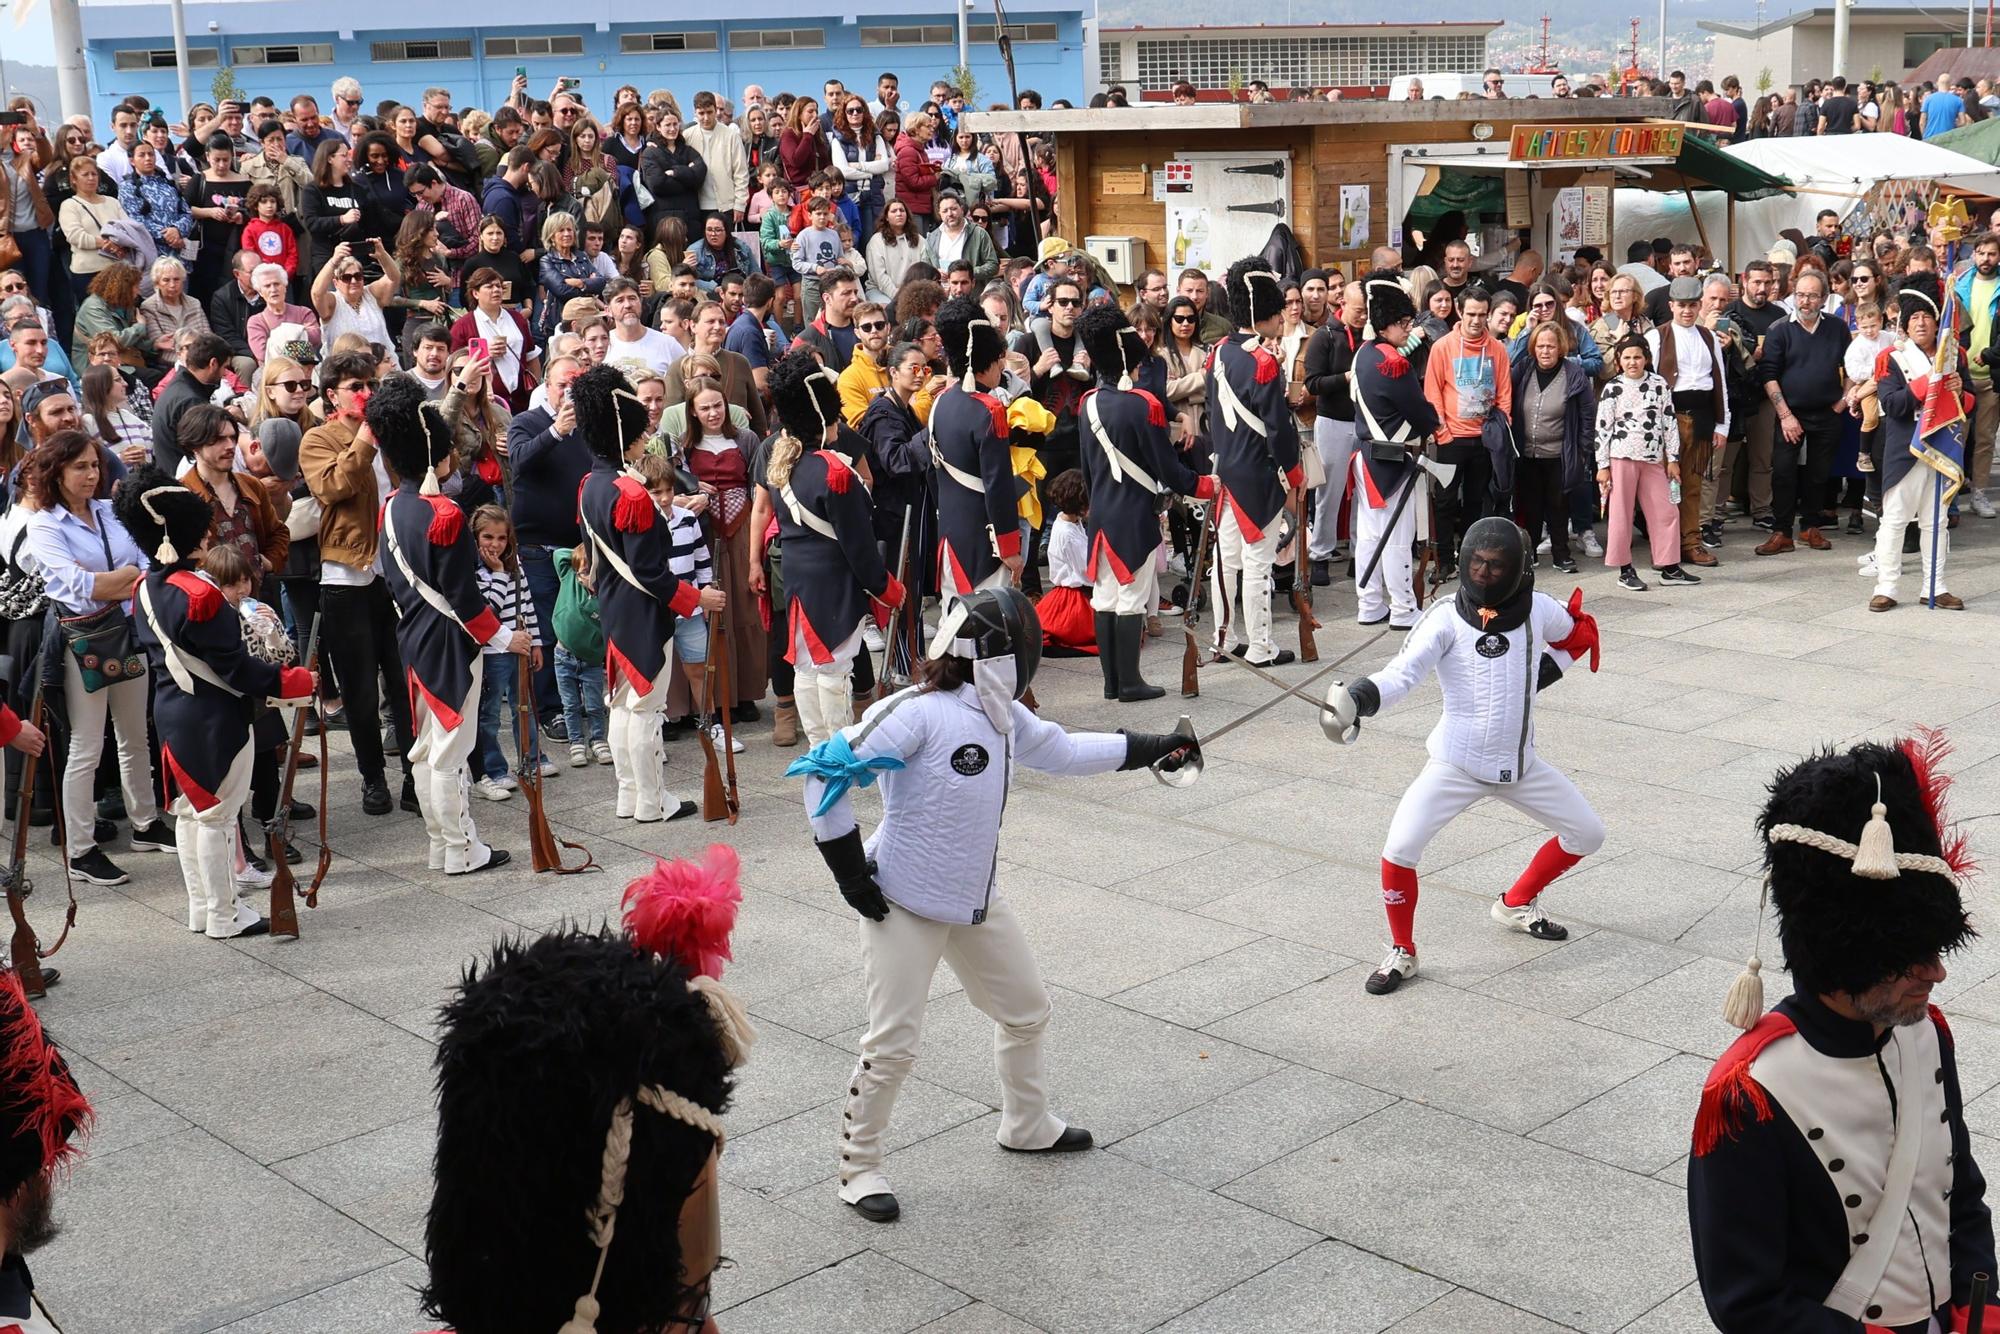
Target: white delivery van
point(1447, 86)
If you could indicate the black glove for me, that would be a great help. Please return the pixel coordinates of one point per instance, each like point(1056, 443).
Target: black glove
point(1144, 749)
point(1367, 699)
point(854, 871)
point(1989, 356)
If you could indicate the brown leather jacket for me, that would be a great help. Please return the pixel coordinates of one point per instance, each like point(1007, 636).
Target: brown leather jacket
point(340, 472)
point(274, 540)
point(45, 216)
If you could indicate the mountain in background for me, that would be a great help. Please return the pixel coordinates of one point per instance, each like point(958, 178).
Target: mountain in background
point(36, 81)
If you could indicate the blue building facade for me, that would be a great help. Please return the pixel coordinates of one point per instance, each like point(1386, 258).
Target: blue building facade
point(282, 47)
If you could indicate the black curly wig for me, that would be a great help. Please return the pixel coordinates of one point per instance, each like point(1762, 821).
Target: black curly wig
point(970, 340)
point(184, 518)
point(409, 429)
point(1107, 335)
point(608, 413)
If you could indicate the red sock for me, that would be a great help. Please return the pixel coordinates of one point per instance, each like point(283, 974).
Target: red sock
point(1399, 899)
point(1550, 861)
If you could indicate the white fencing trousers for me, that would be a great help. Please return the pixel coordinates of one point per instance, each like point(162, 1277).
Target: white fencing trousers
point(1389, 591)
point(205, 841)
point(1335, 442)
point(1141, 597)
point(1234, 554)
point(1443, 791)
point(443, 783)
point(639, 749)
point(824, 691)
point(1910, 499)
point(993, 963)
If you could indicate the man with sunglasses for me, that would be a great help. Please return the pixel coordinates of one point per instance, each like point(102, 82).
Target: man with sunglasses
point(867, 373)
point(346, 110)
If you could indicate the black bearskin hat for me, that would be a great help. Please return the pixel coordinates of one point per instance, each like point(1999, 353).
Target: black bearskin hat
point(1113, 344)
point(971, 343)
point(1388, 303)
point(43, 1113)
point(538, 1050)
point(409, 429)
point(1255, 292)
point(608, 413)
point(167, 520)
point(1919, 292)
point(1850, 922)
point(806, 396)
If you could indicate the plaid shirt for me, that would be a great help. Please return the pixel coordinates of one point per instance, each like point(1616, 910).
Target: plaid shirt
point(463, 212)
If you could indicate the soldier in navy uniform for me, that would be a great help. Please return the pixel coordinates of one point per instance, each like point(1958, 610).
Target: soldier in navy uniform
point(1130, 467)
point(442, 621)
point(205, 688)
point(834, 575)
point(979, 517)
point(637, 592)
point(1832, 1184)
point(1392, 419)
point(1256, 440)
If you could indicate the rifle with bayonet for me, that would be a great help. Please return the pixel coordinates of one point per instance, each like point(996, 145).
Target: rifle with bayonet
point(893, 631)
point(26, 949)
point(278, 834)
point(1191, 613)
point(719, 799)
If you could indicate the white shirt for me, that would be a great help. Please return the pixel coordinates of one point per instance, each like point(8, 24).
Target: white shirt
point(1645, 275)
point(950, 246)
point(116, 163)
point(356, 576)
point(653, 350)
point(1487, 728)
point(1694, 368)
point(1069, 553)
point(503, 340)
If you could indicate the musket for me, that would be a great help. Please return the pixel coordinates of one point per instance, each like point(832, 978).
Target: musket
point(278, 835)
point(1302, 602)
point(26, 949)
point(542, 850)
point(719, 801)
point(1191, 614)
point(1031, 177)
point(1975, 1315)
point(894, 628)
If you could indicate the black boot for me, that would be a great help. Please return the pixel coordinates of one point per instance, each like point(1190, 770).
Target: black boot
point(1130, 632)
point(1107, 652)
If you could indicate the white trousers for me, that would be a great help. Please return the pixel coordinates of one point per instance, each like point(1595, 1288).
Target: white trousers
point(125, 703)
point(1335, 442)
point(1141, 597)
point(639, 749)
point(443, 783)
point(1911, 499)
point(1236, 554)
point(993, 963)
point(824, 691)
point(205, 841)
point(1389, 591)
point(1443, 791)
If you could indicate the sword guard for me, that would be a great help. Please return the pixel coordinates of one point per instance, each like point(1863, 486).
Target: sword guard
point(1188, 766)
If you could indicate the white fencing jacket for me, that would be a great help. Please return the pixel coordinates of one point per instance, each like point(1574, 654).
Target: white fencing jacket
point(939, 840)
point(1489, 679)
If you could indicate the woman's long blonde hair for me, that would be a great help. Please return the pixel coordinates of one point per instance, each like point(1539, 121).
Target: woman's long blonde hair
point(279, 368)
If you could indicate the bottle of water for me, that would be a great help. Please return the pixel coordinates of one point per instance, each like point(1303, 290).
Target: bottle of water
point(1674, 490)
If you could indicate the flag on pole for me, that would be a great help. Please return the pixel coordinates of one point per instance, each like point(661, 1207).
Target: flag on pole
point(1939, 440)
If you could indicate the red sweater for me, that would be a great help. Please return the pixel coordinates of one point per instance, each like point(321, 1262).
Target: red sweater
point(802, 155)
point(275, 243)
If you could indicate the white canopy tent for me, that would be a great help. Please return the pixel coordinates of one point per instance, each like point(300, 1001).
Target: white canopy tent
point(1840, 172)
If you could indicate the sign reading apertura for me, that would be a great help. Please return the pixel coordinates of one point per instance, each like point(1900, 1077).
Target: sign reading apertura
point(1573, 143)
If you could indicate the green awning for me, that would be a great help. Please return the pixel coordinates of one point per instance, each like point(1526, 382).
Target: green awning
point(1703, 166)
point(1471, 193)
point(1980, 140)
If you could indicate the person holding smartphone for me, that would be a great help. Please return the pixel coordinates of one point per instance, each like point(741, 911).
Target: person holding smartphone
point(25, 216)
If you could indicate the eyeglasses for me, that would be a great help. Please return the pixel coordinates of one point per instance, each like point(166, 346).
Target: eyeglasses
point(347, 277)
point(348, 101)
point(1067, 301)
point(873, 326)
point(354, 386)
point(1183, 319)
point(1541, 305)
point(293, 386)
point(979, 218)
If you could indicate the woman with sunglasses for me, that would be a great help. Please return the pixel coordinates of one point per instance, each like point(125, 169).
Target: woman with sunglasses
point(1187, 376)
point(286, 393)
point(347, 302)
point(478, 420)
point(862, 158)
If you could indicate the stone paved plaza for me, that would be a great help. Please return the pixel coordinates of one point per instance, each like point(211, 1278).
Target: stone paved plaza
point(1498, 1148)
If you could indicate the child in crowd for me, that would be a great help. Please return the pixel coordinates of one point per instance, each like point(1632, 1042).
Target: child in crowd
point(762, 199)
point(505, 589)
point(689, 558)
point(1638, 461)
point(1871, 339)
point(774, 238)
point(816, 253)
point(580, 659)
point(264, 637)
point(267, 233)
point(1069, 626)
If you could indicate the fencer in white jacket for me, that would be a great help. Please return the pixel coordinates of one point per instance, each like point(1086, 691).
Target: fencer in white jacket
point(944, 752)
point(1493, 647)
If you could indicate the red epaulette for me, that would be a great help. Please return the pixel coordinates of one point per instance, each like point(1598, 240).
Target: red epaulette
point(447, 520)
point(994, 406)
point(204, 598)
point(1882, 360)
point(1730, 1095)
point(1267, 365)
point(1156, 414)
point(633, 511)
point(1393, 363)
point(838, 475)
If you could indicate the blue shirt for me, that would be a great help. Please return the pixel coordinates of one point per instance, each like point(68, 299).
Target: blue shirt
point(72, 553)
point(1941, 113)
point(746, 340)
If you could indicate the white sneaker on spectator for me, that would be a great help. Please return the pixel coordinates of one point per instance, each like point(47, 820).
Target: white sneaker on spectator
point(601, 751)
point(579, 755)
point(1981, 505)
point(1865, 565)
point(1591, 546)
point(506, 782)
point(548, 767)
point(1545, 543)
point(252, 878)
point(715, 735)
point(871, 637)
point(492, 791)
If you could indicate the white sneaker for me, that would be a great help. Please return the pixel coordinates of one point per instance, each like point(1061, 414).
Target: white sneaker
point(1591, 546)
point(493, 791)
point(715, 735)
point(548, 767)
point(1397, 966)
point(1865, 565)
point(1530, 918)
point(506, 782)
point(1981, 505)
point(1545, 544)
point(579, 755)
point(871, 637)
point(601, 751)
point(252, 878)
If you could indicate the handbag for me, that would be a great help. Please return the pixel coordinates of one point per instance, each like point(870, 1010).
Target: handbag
point(23, 593)
point(102, 641)
point(10, 250)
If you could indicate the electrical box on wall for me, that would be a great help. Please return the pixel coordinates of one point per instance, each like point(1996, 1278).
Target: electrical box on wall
point(1122, 256)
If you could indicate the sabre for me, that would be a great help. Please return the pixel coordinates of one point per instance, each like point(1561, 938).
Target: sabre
point(1189, 766)
point(902, 572)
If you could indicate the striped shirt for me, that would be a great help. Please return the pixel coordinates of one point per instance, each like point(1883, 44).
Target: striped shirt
point(507, 595)
point(687, 553)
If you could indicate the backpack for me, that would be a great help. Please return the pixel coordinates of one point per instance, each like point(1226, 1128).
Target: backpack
point(579, 625)
point(464, 165)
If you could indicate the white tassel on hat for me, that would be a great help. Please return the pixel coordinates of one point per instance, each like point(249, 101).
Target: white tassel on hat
point(164, 553)
point(429, 486)
point(1875, 855)
point(1744, 1005)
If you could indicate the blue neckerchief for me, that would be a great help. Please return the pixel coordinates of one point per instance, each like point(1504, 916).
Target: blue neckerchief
point(836, 764)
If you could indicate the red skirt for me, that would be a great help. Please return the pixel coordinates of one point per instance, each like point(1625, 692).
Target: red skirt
point(1067, 620)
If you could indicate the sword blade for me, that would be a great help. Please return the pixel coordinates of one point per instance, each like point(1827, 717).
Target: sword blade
point(1291, 691)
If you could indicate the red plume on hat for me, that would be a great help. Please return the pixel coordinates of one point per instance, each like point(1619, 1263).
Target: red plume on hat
point(685, 910)
point(42, 1110)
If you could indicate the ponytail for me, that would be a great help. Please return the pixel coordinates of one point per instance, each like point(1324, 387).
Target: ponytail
point(786, 450)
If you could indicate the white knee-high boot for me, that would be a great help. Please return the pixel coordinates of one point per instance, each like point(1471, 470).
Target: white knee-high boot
point(811, 706)
point(619, 733)
point(186, 832)
point(216, 854)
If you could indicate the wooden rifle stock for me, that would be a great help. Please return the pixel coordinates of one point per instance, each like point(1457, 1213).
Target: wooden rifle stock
point(719, 801)
point(1302, 602)
point(24, 948)
point(277, 842)
point(542, 841)
point(1191, 614)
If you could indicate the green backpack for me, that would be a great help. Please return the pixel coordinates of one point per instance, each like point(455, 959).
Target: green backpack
point(579, 625)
